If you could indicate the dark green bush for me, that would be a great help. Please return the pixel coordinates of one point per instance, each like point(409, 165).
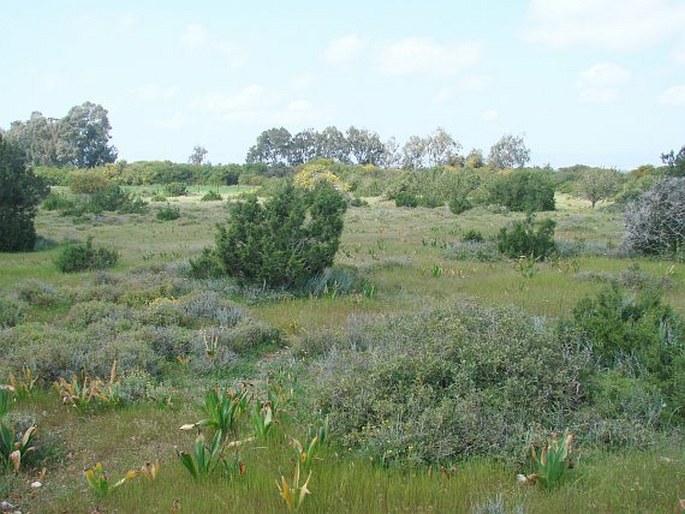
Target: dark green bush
point(20, 193)
point(212, 196)
point(527, 238)
point(176, 189)
point(168, 213)
point(284, 243)
point(459, 203)
point(406, 199)
point(83, 257)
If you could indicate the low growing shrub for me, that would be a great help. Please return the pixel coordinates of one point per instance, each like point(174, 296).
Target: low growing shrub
point(84, 257)
point(211, 196)
point(168, 213)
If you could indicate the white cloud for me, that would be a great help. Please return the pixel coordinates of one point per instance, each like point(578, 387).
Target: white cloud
point(612, 24)
point(600, 84)
point(443, 95)
point(257, 105)
point(426, 56)
point(153, 92)
point(674, 96)
point(489, 115)
point(344, 50)
point(194, 37)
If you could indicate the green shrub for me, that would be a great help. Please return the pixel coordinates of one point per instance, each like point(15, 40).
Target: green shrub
point(168, 213)
point(406, 199)
point(459, 203)
point(282, 244)
point(637, 334)
point(523, 190)
point(212, 196)
point(158, 197)
point(83, 257)
point(527, 238)
point(176, 189)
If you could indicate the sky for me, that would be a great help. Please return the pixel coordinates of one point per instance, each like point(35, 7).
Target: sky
point(596, 82)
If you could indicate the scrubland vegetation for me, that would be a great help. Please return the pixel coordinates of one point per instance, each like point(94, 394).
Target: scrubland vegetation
point(350, 339)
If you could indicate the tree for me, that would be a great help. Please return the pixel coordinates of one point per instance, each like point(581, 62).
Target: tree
point(273, 147)
point(441, 147)
point(414, 153)
point(655, 222)
point(675, 162)
point(596, 184)
point(509, 152)
point(84, 137)
point(38, 137)
point(20, 193)
point(332, 144)
point(365, 146)
point(285, 242)
point(303, 147)
point(198, 155)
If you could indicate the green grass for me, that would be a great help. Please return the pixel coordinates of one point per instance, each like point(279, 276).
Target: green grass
point(395, 249)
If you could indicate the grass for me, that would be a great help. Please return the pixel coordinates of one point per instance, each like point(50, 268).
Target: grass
point(396, 249)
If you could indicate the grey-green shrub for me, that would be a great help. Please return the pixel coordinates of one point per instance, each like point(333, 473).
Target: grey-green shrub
point(448, 383)
point(12, 312)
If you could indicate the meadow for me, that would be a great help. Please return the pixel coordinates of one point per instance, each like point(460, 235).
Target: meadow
point(417, 275)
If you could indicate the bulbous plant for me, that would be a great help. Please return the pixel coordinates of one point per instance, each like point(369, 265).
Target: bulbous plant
point(14, 446)
point(294, 494)
point(551, 461)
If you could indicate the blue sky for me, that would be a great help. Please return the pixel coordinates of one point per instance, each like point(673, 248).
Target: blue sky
point(598, 82)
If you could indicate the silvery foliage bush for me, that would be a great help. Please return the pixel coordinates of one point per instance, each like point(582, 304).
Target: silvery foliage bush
point(449, 383)
point(655, 222)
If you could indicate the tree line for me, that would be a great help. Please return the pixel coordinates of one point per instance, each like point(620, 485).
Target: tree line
point(278, 147)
